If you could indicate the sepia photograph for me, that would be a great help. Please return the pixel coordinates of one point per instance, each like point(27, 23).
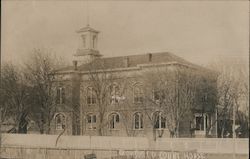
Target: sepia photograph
point(124, 79)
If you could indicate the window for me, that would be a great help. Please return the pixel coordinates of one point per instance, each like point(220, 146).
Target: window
point(91, 121)
point(94, 41)
point(200, 122)
point(159, 121)
point(138, 121)
point(158, 95)
point(91, 97)
point(138, 94)
point(60, 95)
point(114, 119)
point(84, 41)
point(114, 93)
point(60, 121)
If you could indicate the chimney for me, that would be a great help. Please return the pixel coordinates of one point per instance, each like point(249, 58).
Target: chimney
point(126, 61)
point(75, 64)
point(149, 57)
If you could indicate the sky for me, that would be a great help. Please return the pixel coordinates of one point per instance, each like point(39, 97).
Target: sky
point(199, 31)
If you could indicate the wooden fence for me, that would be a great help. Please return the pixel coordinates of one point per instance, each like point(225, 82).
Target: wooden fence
point(76, 147)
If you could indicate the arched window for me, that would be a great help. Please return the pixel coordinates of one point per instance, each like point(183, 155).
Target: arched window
point(114, 93)
point(138, 94)
point(138, 121)
point(60, 121)
point(91, 121)
point(114, 120)
point(60, 95)
point(91, 96)
point(159, 121)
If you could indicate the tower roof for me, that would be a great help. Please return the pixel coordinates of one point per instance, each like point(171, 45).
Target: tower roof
point(87, 28)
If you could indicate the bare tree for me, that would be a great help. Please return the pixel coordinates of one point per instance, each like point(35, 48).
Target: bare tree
point(233, 89)
point(15, 98)
point(172, 91)
point(40, 72)
point(127, 107)
point(100, 78)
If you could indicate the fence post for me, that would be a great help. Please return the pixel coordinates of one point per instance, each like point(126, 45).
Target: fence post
point(171, 145)
point(216, 146)
point(200, 145)
point(0, 119)
point(45, 153)
point(186, 146)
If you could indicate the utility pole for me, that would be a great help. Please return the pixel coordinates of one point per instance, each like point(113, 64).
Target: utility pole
point(0, 131)
point(216, 118)
point(0, 102)
point(234, 111)
point(234, 135)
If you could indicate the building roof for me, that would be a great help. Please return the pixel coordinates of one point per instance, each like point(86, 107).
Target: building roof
point(133, 61)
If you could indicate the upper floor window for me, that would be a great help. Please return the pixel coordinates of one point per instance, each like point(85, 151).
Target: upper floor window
point(60, 95)
point(159, 121)
point(138, 121)
point(158, 95)
point(204, 98)
point(91, 121)
point(114, 93)
point(91, 96)
point(138, 94)
point(114, 120)
point(60, 121)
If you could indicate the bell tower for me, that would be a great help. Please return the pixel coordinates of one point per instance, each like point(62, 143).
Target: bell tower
point(87, 48)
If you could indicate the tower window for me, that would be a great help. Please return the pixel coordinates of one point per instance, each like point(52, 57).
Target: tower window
point(94, 41)
point(84, 41)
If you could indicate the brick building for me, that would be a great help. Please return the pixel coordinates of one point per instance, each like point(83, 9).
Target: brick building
point(153, 94)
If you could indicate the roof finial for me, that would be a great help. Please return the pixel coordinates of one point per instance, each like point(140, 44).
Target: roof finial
point(87, 12)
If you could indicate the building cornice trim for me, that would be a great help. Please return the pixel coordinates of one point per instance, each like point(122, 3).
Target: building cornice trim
point(138, 67)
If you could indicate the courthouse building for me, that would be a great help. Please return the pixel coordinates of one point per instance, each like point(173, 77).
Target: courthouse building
point(114, 96)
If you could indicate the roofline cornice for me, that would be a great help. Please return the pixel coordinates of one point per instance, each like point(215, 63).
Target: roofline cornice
point(138, 67)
